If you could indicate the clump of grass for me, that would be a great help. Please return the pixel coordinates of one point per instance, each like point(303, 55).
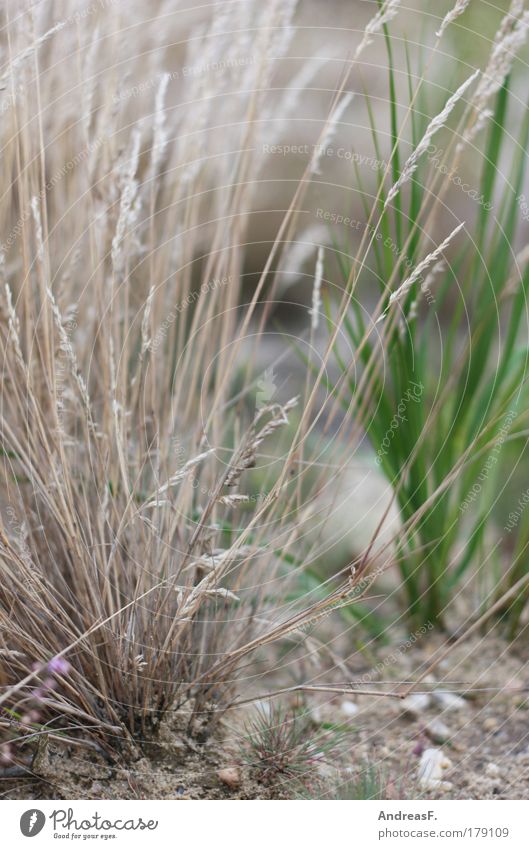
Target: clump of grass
point(371, 782)
point(435, 327)
point(125, 452)
point(283, 748)
point(123, 324)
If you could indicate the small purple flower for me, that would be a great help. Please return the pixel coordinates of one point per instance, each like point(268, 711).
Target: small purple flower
point(418, 749)
point(58, 666)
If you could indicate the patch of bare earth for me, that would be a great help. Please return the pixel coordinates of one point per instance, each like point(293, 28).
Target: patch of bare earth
point(171, 765)
point(480, 724)
point(482, 728)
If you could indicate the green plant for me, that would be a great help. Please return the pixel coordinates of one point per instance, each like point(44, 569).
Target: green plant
point(284, 749)
point(151, 567)
point(437, 399)
point(370, 783)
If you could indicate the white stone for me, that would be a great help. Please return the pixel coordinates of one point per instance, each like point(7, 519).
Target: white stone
point(493, 770)
point(363, 514)
point(315, 714)
point(432, 768)
point(449, 701)
point(438, 731)
point(415, 704)
point(349, 708)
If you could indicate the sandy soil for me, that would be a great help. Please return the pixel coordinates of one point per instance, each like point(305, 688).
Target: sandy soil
point(486, 734)
point(485, 738)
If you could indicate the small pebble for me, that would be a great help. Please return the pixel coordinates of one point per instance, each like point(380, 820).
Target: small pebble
point(490, 724)
point(431, 770)
point(418, 749)
point(314, 713)
point(492, 770)
point(349, 708)
point(449, 701)
point(415, 704)
point(437, 731)
point(230, 776)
